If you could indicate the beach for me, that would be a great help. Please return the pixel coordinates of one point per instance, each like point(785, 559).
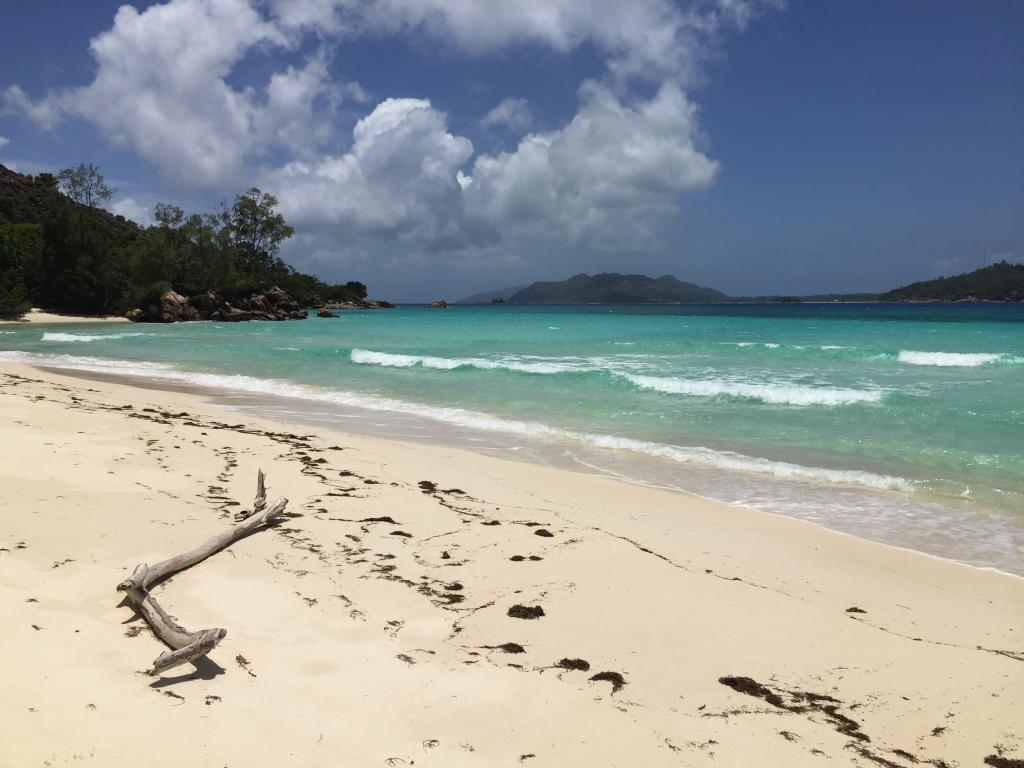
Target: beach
point(38, 316)
point(380, 625)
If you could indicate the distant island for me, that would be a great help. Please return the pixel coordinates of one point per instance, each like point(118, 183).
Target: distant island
point(493, 297)
point(60, 249)
point(1001, 282)
point(615, 288)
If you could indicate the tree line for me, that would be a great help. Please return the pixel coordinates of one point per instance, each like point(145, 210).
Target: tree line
point(60, 250)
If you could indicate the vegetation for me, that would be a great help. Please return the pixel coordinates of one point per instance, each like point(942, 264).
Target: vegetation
point(60, 250)
point(999, 282)
point(613, 288)
point(84, 185)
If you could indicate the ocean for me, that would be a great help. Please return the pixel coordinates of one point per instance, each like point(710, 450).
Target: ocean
point(903, 424)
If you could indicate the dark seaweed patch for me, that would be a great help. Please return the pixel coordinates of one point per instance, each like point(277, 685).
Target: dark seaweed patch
point(525, 611)
point(617, 680)
point(575, 665)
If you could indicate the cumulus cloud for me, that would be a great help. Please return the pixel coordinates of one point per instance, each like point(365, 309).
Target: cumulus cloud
point(512, 114)
point(161, 88)
point(4, 141)
point(608, 177)
point(397, 183)
point(605, 179)
point(648, 38)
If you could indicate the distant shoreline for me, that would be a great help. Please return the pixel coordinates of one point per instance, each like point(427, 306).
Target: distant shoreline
point(37, 316)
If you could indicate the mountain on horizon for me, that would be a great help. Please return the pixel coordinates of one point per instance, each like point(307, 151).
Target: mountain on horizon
point(487, 297)
point(616, 288)
point(999, 282)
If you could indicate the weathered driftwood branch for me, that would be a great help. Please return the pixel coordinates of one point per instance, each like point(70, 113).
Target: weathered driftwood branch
point(187, 646)
point(261, 499)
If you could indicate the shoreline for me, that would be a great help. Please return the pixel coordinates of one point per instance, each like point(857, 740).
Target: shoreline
point(220, 399)
point(374, 641)
point(780, 496)
point(36, 316)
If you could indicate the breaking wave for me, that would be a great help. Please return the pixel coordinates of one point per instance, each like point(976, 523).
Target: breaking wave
point(952, 359)
point(728, 460)
point(774, 393)
point(85, 337)
point(780, 394)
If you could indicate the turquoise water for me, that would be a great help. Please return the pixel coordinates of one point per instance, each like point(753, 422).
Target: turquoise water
point(904, 424)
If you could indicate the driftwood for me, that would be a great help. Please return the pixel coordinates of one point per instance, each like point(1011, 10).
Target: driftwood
point(187, 646)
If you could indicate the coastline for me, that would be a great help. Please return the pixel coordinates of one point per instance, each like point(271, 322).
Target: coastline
point(871, 506)
point(356, 662)
point(37, 316)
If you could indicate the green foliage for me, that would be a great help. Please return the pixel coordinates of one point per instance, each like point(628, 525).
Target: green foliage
point(60, 251)
point(20, 244)
point(84, 184)
point(998, 282)
point(257, 230)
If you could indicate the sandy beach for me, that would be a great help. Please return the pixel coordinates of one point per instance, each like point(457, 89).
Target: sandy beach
point(380, 625)
point(42, 317)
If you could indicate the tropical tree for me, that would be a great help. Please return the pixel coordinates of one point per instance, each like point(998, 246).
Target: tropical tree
point(84, 184)
point(257, 230)
point(20, 245)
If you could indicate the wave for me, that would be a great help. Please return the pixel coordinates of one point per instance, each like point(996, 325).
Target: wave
point(952, 359)
point(908, 356)
point(391, 360)
point(776, 394)
point(779, 394)
point(85, 337)
point(728, 460)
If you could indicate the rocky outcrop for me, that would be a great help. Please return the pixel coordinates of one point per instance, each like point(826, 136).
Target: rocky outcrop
point(439, 304)
point(172, 307)
point(325, 312)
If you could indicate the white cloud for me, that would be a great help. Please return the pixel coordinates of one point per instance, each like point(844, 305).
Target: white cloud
point(4, 141)
point(512, 114)
point(649, 38)
point(130, 209)
point(605, 179)
point(161, 87)
point(608, 177)
point(397, 183)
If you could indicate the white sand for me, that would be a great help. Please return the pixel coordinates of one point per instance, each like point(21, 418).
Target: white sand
point(39, 316)
point(358, 659)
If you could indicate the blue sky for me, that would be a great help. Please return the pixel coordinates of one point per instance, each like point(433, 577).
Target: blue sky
point(432, 148)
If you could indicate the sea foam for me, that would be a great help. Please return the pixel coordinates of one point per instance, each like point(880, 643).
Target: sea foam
point(949, 359)
point(85, 337)
point(391, 360)
point(778, 394)
point(469, 419)
point(773, 393)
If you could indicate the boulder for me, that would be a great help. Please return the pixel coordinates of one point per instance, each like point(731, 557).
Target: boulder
point(174, 308)
point(273, 304)
point(206, 303)
point(325, 312)
point(439, 304)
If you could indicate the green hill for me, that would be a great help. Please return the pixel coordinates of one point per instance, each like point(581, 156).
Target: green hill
point(74, 257)
point(999, 282)
point(491, 296)
point(615, 288)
